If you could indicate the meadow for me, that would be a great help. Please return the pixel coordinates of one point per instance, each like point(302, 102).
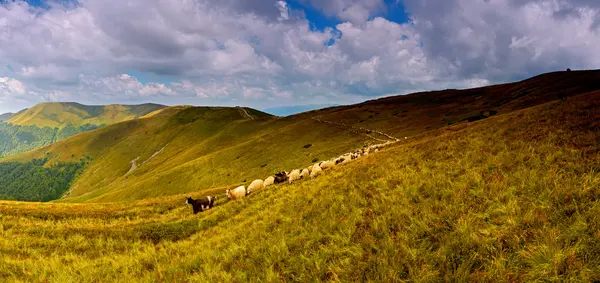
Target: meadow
point(514, 197)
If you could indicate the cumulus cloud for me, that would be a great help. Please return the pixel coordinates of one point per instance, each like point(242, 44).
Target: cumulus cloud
point(355, 11)
point(248, 52)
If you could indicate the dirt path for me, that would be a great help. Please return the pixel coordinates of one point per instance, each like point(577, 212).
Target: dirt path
point(358, 130)
point(245, 113)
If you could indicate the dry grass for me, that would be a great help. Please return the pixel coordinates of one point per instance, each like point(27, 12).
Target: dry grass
point(510, 198)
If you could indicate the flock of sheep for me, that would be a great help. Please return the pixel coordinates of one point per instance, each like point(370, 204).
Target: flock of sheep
point(311, 171)
point(298, 174)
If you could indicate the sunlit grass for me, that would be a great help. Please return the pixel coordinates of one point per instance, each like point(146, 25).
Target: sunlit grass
point(510, 198)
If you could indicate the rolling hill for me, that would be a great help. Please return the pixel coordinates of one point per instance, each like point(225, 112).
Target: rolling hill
point(186, 149)
point(514, 197)
point(62, 114)
point(47, 123)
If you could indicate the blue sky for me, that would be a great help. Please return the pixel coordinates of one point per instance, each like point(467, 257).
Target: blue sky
point(270, 53)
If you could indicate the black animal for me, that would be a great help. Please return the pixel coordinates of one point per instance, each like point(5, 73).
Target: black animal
point(568, 70)
point(200, 205)
point(281, 177)
point(341, 160)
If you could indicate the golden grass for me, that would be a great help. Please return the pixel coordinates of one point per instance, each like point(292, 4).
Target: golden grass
point(510, 198)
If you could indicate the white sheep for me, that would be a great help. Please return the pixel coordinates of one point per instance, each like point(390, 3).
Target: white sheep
point(325, 165)
point(305, 173)
point(269, 181)
point(257, 184)
point(310, 168)
point(295, 175)
point(316, 171)
point(237, 193)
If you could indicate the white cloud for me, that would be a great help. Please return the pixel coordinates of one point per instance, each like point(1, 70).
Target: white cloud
point(9, 86)
point(355, 11)
point(249, 51)
point(283, 10)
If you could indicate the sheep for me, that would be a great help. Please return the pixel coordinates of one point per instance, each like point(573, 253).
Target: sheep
point(200, 205)
point(294, 176)
point(269, 181)
point(305, 173)
point(325, 165)
point(310, 168)
point(257, 184)
point(316, 171)
point(237, 193)
point(281, 177)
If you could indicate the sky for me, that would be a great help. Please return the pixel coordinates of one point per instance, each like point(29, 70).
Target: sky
point(269, 53)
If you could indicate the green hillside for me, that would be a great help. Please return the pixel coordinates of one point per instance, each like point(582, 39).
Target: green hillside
point(185, 149)
point(514, 197)
point(47, 123)
point(62, 114)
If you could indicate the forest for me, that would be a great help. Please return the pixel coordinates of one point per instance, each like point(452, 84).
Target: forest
point(16, 139)
point(34, 181)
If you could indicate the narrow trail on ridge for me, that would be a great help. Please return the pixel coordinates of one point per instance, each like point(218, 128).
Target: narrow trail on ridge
point(358, 130)
point(245, 113)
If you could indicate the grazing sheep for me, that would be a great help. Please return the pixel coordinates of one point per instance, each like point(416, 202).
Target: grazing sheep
point(269, 181)
point(281, 177)
point(257, 184)
point(294, 176)
point(237, 193)
point(200, 205)
point(325, 165)
point(305, 173)
point(316, 171)
point(310, 168)
point(377, 150)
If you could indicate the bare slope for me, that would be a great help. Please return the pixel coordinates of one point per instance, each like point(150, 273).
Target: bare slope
point(511, 198)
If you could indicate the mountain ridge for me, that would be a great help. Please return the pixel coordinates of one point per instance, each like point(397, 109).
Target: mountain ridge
point(62, 114)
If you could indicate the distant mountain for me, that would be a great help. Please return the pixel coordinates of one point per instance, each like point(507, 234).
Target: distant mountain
point(291, 110)
point(6, 116)
point(63, 114)
point(47, 123)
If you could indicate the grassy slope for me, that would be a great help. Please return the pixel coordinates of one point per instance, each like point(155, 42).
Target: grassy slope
point(408, 115)
point(201, 148)
point(58, 114)
point(510, 198)
point(208, 147)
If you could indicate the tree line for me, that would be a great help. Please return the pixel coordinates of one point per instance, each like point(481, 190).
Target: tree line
point(34, 181)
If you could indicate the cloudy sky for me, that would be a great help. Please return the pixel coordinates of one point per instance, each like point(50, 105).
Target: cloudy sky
point(266, 53)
